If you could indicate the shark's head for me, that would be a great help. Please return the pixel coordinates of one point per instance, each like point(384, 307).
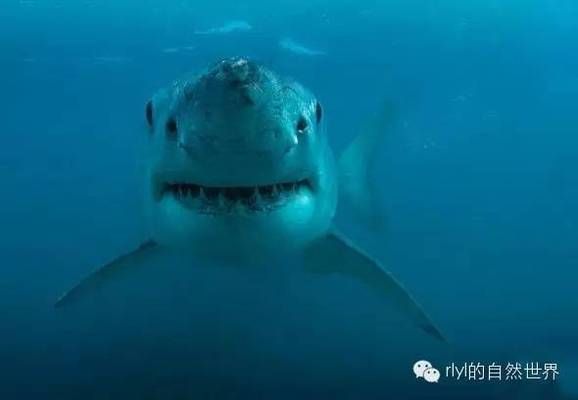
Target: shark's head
point(238, 160)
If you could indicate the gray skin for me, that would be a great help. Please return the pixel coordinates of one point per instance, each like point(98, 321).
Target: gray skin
point(239, 167)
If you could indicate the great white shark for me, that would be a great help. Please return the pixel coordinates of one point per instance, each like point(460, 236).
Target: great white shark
point(239, 167)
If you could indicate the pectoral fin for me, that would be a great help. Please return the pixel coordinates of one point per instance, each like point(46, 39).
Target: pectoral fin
point(334, 254)
point(107, 273)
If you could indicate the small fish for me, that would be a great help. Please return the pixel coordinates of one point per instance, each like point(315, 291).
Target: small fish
point(297, 48)
point(229, 27)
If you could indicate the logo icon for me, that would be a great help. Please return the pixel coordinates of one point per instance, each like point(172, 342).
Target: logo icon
point(424, 369)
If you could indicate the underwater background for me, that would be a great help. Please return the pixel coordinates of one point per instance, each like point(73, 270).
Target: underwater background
point(478, 171)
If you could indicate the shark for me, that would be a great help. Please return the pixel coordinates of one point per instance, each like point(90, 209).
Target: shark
point(239, 168)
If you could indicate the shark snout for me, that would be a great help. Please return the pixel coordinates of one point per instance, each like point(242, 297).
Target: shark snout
point(240, 116)
point(236, 110)
point(240, 80)
point(238, 70)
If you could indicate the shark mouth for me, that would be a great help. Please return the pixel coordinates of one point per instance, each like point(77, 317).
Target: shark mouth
point(236, 199)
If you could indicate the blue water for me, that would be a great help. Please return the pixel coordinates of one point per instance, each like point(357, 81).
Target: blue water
point(478, 175)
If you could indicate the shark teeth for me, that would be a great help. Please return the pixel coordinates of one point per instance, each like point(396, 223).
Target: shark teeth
point(231, 198)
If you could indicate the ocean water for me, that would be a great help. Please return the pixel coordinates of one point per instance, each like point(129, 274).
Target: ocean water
point(477, 173)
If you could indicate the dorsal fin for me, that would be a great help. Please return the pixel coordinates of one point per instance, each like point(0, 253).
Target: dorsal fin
point(356, 164)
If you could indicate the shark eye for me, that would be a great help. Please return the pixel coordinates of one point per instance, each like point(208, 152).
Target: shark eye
point(318, 112)
point(149, 113)
point(171, 127)
point(302, 124)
